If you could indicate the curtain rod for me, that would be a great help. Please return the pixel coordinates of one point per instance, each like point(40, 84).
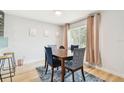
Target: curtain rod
point(91, 14)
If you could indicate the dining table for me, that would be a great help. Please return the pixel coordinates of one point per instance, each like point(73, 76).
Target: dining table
point(63, 55)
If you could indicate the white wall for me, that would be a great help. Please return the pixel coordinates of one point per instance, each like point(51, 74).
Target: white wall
point(112, 42)
point(31, 48)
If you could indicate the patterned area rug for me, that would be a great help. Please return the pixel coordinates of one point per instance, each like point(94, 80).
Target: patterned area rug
point(68, 77)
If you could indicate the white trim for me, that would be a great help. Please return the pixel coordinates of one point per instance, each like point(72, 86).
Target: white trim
point(103, 69)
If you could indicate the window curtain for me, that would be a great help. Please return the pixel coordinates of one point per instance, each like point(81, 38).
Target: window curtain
point(66, 28)
point(92, 49)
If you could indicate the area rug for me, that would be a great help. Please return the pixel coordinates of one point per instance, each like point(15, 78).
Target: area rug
point(68, 76)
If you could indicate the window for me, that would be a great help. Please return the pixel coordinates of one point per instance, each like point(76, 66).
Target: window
point(77, 36)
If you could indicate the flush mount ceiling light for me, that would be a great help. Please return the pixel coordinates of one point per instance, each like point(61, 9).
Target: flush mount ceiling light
point(58, 13)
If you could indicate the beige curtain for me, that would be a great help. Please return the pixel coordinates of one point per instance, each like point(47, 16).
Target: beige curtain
point(92, 49)
point(90, 46)
point(65, 41)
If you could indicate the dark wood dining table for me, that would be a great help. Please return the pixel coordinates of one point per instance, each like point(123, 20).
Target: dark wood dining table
point(62, 55)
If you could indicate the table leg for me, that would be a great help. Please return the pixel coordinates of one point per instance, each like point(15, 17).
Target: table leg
point(63, 70)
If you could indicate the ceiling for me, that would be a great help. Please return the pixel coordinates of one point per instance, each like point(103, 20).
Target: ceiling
point(49, 16)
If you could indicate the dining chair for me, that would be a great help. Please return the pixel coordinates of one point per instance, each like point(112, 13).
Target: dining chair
point(73, 47)
point(61, 47)
point(77, 62)
point(53, 47)
point(51, 61)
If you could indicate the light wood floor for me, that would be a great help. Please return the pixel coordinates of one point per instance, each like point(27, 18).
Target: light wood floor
point(28, 73)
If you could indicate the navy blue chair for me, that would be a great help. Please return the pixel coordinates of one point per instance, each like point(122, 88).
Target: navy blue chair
point(51, 61)
point(73, 47)
point(53, 47)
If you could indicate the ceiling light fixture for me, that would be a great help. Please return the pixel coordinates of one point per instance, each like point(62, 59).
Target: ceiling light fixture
point(58, 13)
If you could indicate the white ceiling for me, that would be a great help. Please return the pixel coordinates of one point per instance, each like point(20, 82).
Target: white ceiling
point(68, 16)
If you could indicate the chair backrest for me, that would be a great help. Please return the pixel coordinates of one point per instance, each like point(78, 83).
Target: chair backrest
point(61, 47)
point(48, 52)
point(53, 47)
point(78, 56)
point(73, 47)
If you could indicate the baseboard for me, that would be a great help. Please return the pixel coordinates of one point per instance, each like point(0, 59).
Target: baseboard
point(32, 62)
point(103, 69)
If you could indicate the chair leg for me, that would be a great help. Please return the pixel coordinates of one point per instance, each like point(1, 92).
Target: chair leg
point(1, 78)
point(57, 68)
point(14, 71)
point(0, 70)
point(73, 76)
point(83, 74)
point(52, 74)
point(46, 69)
point(13, 65)
point(45, 64)
point(45, 61)
point(68, 70)
point(10, 72)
